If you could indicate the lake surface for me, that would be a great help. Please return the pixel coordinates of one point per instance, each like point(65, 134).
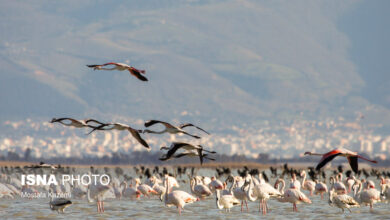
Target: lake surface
point(153, 208)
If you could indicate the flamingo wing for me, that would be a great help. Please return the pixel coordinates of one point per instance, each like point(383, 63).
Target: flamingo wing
point(133, 71)
point(191, 125)
point(137, 136)
point(61, 119)
point(152, 122)
point(174, 148)
point(326, 159)
point(353, 162)
point(200, 155)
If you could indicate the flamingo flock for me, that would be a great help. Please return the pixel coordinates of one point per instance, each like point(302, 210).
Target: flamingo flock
point(248, 186)
point(226, 189)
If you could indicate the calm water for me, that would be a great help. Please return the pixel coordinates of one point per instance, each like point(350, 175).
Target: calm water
point(152, 208)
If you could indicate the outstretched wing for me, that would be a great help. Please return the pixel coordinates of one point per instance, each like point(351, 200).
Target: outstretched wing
point(152, 122)
point(133, 71)
point(137, 136)
point(200, 153)
point(192, 125)
point(174, 147)
point(325, 159)
point(62, 119)
point(164, 158)
point(353, 162)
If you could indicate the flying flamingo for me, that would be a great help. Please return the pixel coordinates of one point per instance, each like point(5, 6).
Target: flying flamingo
point(77, 123)
point(351, 156)
point(189, 147)
point(171, 129)
point(121, 67)
point(122, 127)
point(197, 153)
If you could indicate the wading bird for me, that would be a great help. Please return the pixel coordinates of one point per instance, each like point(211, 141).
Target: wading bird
point(121, 67)
point(58, 204)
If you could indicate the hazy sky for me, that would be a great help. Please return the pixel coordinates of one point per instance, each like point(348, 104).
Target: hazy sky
point(367, 27)
point(205, 59)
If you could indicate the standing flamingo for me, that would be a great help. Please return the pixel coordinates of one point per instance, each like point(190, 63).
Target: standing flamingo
point(199, 189)
point(337, 184)
point(121, 67)
point(177, 198)
point(367, 196)
point(98, 192)
point(225, 201)
point(320, 188)
point(262, 191)
point(292, 195)
point(307, 184)
point(342, 201)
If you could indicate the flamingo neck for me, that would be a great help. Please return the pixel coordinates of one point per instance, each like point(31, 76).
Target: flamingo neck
point(192, 183)
point(304, 178)
point(89, 195)
point(217, 200)
point(250, 191)
point(283, 185)
point(314, 154)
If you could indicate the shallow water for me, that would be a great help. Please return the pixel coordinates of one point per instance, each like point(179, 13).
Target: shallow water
point(153, 208)
point(204, 209)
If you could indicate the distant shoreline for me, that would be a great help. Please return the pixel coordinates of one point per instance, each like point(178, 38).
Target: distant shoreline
point(212, 165)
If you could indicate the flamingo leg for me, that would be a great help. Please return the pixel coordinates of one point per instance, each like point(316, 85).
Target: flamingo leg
point(322, 196)
point(266, 206)
point(242, 204)
point(102, 206)
point(179, 210)
point(260, 205)
point(246, 203)
point(98, 206)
